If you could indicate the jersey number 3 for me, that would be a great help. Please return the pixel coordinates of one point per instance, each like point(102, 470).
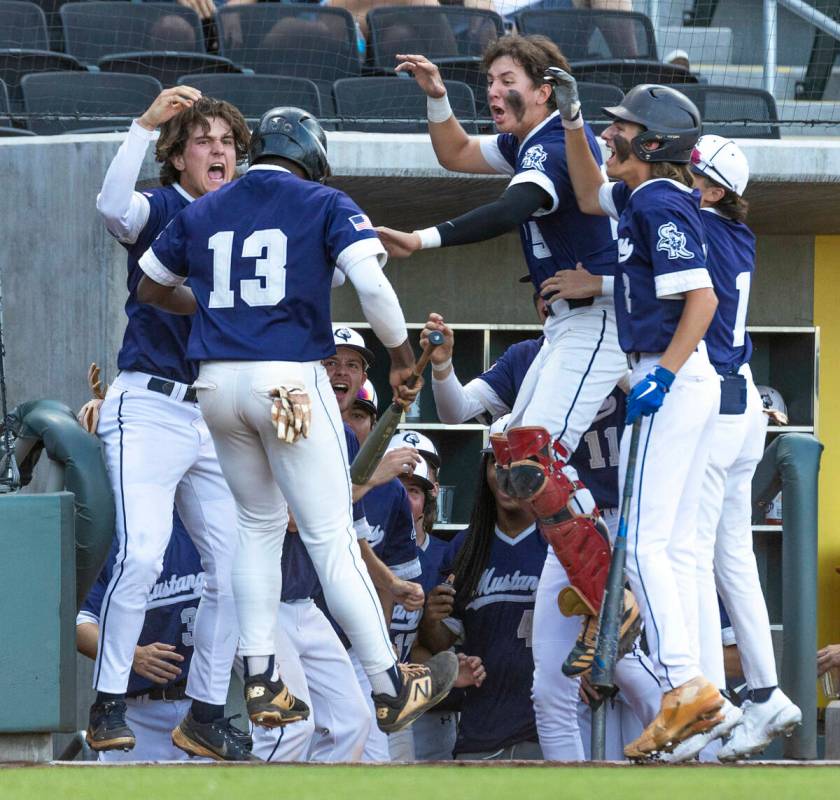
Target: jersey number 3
point(268, 288)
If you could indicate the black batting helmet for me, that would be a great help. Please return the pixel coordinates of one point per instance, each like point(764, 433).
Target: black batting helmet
point(669, 118)
point(293, 134)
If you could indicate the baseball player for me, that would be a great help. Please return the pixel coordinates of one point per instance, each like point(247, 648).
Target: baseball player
point(260, 255)
point(582, 361)
point(157, 447)
point(156, 699)
point(315, 666)
point(724, 530)
point(664, 303)
point(492, 394)
point(496, 564)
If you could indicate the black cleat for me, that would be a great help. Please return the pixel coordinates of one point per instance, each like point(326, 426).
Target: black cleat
point(424, 686)
point(218, 740)
point(107, 728)
point(270, 703)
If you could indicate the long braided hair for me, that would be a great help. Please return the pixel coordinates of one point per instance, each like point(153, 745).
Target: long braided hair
point(474, 555)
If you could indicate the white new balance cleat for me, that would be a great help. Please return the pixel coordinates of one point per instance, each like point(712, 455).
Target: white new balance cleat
point(761, 723)
point(690, 748)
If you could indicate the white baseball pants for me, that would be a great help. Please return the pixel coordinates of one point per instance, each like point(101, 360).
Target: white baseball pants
point(315, 666)
point(555, 696)
point(724, 535)
point(313, 476)
point(159, 454)
point(661, 535)
point(578, 366)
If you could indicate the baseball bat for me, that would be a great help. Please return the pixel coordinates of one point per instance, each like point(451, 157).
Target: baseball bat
point(371, 452)
point(606, 647)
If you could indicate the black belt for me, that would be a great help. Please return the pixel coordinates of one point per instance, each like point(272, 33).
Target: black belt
point(573, 303)
point(167, 387)
point(176, 691)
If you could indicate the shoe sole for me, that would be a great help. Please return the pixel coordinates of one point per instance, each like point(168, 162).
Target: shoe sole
point(704, 722)
point(406, 721)
point(779, 728)
point(718, 732)
point(275, 719)
point(120, 743)
point(191, 747)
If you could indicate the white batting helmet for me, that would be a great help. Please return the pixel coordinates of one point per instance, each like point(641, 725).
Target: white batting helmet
point(347, 337)
point(772, 399)
point(497, 426)
point(421, 469)
point(421, 443)
point(367, 399)
point(722, 161)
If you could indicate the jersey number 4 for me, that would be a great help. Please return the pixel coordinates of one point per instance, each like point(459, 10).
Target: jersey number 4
point(268, 247)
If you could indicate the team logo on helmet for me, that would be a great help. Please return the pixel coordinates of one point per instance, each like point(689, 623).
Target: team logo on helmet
point(672, 241)
point(344, 334)
point(534, 158)
point(412, 438)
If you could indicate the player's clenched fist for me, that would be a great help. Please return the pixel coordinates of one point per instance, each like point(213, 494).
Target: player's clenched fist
point(398, 244)
point(439, 603)
point(648, 394)
point(167, 104)
point(408, 594)
point(425, 73)
point(442, 354)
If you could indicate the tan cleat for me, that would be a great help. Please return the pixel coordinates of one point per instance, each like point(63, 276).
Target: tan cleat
point(579, 661)
point(424, 686)
point(692, 708)
point(270, 704)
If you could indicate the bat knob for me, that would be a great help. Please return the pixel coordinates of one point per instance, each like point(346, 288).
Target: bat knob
point(435, 338)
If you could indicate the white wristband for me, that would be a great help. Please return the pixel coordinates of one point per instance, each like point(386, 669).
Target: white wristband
point(573, 124)
point(438, 109)
point(429, 238)
point(442, 367)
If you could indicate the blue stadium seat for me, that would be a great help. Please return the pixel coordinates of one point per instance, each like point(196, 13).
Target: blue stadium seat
point(23, 25)
point(395, 105)
point(166, 67)
point(303, 41)
point(15, 63)
point(93, 30)
point(253, 95)
point(750, 112)
point(85, 100)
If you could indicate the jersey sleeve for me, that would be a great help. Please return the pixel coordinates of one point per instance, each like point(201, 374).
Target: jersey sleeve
point(92, 605)
point(545, 165)
point(165, 261)
point(401, 554)
point(678, 250)
point(500, 153)
point(350, 235)
point(359, 505)
point(501, 377)
point(613, 198)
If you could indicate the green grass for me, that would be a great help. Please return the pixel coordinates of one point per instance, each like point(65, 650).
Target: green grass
point(418, 783)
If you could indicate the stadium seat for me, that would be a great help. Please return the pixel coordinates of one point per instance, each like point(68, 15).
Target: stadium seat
point(109, 101)
point(585, 35)
point(303, 41)
point(166, 67)
point(9, 131)
point(23, 25)
point(15, 63)
point(627, 73)
point(379, 99)
point(5, 119)
point(93, 30)
point(719, 104)
point(593, 97)
point(255, 94)
point(448, 31)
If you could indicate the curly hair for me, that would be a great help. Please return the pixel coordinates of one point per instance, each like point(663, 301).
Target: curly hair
point(175, 132)
point(533, 53)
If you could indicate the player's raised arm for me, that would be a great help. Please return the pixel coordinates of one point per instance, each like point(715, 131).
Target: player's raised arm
point(455, 149)
point(584, 171)
point(124, 210)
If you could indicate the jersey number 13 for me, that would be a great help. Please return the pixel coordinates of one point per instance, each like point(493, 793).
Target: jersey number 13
point(268, 247)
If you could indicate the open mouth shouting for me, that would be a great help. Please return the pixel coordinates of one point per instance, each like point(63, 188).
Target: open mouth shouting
point(216, 172)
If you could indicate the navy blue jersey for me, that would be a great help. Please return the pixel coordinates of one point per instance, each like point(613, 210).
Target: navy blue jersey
point(496, 625)
point(352, 452)
point(558, 238)
point(596, 457)
point(731, 264)
point(431, 558)
point(259, 254)
point(171, 606)
point(155, 341)
point(661, 255)
point(392, 536)
point(300, 581)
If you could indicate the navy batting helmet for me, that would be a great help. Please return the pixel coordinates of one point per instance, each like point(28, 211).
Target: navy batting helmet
point(669, 118)
point(293, 134)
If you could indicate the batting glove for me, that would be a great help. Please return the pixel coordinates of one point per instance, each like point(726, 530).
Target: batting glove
point(648, 394)
point(565, 94)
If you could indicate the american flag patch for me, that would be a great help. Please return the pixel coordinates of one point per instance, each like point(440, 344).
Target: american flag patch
point(360, 222)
